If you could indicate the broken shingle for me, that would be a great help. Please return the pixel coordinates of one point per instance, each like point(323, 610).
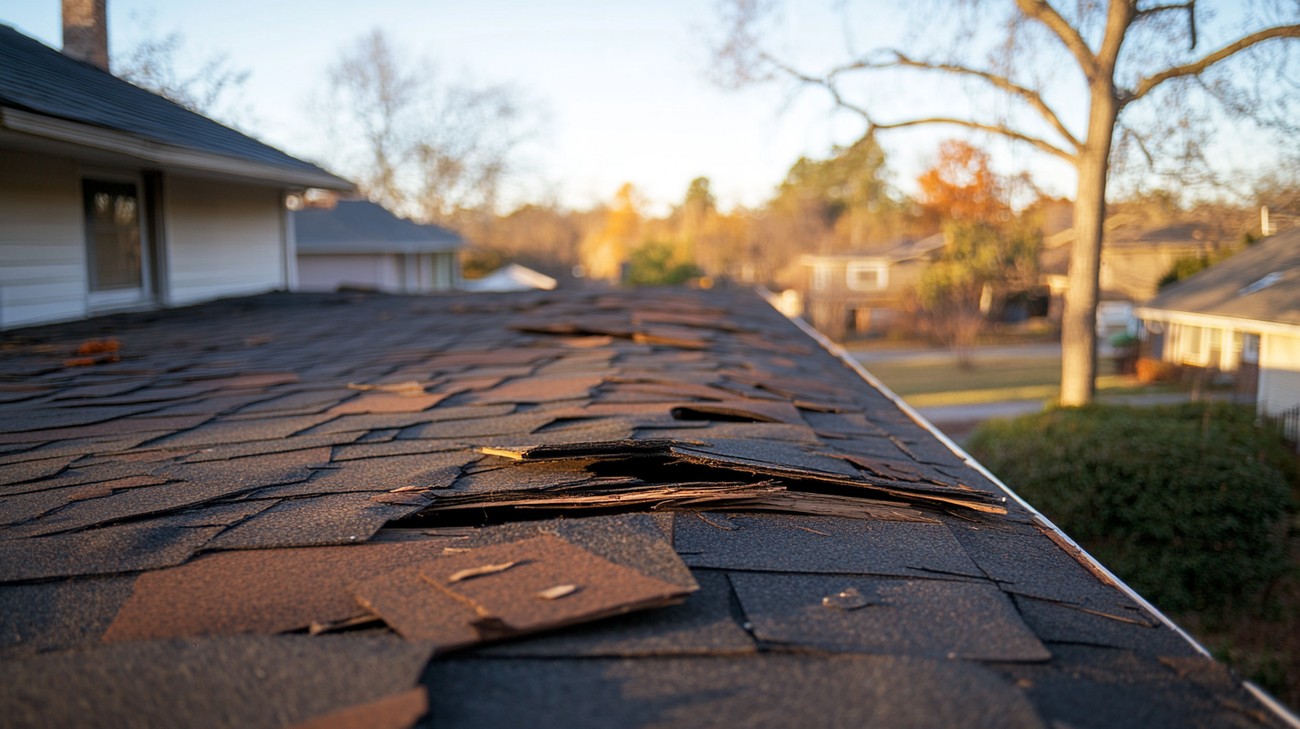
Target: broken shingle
point(493, 592)
point(702, 625)
point(257, 591)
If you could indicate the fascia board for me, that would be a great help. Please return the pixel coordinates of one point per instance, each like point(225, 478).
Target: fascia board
point(1216, 320)
point(164, 155)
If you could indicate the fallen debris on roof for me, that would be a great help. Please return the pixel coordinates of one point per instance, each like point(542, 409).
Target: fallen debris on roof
point(544, 508)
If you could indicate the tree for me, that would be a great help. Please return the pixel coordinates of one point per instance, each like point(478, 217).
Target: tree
point(428, 149)
point(152, 64)
point(980, 264)
point(655, 263)
point(542, 237)
point(987, 253)
point(962, 186)
point(1125, 52)
point(605, 248)
point(843, 201)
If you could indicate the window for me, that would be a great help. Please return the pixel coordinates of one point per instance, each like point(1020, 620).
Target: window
point(821, 277)
point(113, 243)
point(1192, 344)
point(1250, 348)
point(868, 276)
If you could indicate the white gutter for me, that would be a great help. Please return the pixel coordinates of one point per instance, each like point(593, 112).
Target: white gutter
point(842, 354)
point(1222, 321)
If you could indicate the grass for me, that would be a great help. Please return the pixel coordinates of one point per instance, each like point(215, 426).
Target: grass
point(932, 383)
point(1000, 373)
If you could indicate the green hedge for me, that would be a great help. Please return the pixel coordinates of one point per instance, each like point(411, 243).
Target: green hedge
point(1186, 503)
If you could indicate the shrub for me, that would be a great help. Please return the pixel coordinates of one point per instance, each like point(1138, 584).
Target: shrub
point(1153, 370)
point(1186, 503)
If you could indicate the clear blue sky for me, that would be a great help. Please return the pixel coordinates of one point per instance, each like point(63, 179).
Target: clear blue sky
point(623, 82)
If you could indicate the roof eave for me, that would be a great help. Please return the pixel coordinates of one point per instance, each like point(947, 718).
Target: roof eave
point(308, 248)
point(1156, 313)
point(165, 155)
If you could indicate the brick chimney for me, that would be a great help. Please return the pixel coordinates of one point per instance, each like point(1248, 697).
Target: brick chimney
point(85, 31)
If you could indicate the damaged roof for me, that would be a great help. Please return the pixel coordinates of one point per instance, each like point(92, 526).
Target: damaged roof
point(574, 509)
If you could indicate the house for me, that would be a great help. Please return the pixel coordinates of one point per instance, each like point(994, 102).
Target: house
point(360, 244)
point(512, 277)
point(1135, 256)
point(1240, 316)
point(859, 293)
point(582, 508)
point(112, 197)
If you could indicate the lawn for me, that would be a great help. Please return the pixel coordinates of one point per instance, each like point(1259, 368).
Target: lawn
point(930, 382)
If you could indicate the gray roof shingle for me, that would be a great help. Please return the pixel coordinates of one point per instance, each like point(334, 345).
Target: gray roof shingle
point(361, 226)
point(1261, 283)
point(662, 508)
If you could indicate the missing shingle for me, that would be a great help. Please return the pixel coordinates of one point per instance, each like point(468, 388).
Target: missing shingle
point(719, 414)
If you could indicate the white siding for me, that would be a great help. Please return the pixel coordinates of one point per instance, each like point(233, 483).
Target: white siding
point(327, 272)
point(396, 273)
point(223, 239)
point(1279, 373)
point(42, 243)
point(446, 271)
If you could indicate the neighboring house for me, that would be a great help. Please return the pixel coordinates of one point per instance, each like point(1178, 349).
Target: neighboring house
point(360, 244)
point(512, 277)
point(112, 197)
point(859, 293)
point(1134, 257)
point(1240, 316)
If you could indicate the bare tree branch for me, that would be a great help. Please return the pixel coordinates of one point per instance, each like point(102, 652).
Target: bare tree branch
point(998, 129)
point(827, 82)
point(1157, 9)
point(1028, 95)
point(1044, 13)
point(1148, 84)
point(1189, 7)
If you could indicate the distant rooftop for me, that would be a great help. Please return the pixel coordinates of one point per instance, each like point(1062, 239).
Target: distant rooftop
point(1261, 283)
point(361, 226)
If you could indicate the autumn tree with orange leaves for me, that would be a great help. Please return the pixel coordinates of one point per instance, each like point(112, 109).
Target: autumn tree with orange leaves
point(961, 186)
point(987, 253)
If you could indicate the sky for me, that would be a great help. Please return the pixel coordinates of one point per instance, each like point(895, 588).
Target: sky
point(622, 85)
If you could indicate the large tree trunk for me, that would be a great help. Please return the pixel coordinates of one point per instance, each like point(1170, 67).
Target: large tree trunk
point(1079, 320)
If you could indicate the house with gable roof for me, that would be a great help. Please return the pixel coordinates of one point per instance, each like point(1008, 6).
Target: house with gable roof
point(360, 244)
point(112, 197)
point(863, 291)
point(1242, 317)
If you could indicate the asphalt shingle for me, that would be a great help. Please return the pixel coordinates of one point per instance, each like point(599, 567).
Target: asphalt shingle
point(263, 491)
